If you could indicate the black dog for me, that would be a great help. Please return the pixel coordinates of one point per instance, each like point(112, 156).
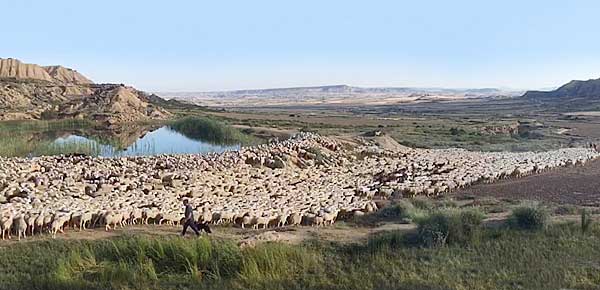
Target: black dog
point(204, 227)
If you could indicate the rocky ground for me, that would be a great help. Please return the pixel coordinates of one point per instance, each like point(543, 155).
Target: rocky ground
point(308, 179)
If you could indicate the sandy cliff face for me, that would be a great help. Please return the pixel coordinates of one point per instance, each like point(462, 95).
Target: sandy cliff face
point(13, 68)
point(29, 91)
point(66, 75)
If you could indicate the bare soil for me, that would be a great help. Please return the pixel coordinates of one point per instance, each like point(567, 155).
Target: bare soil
point(339, 232)
point(578, 185)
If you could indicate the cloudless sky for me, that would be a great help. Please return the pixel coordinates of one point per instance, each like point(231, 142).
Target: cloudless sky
point(216, 45)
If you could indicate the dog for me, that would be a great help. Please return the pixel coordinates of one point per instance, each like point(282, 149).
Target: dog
point(204, 227)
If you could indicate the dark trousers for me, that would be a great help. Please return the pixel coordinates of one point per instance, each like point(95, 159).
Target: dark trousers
point(192, 224)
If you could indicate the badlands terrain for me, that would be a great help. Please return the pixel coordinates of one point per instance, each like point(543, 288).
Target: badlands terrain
point(30, 91)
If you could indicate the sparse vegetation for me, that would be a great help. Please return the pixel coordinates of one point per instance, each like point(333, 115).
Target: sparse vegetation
point(586, 221)
point(450, 227)
point(566, 209)
point(529, 218)
point(423, 203)
point(402, 210)
point(503, 259)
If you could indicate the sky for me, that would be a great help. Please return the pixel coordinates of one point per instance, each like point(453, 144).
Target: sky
point(224, 45)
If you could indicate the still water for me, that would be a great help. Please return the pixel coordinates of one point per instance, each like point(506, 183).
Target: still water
point(163, 140)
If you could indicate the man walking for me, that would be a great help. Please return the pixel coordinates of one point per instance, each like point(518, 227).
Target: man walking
point(188, 219)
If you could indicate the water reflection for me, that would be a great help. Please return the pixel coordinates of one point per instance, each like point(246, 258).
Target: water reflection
point(163, 140)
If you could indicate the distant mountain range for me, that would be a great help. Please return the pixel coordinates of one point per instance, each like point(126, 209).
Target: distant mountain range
point(334, 95)
point(345, 89)
point(30, 91)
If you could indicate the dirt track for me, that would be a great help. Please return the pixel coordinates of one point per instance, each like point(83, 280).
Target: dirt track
point(573, 185)
point(340, 232)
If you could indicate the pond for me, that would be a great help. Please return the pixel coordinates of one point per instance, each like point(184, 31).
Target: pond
point(186, 136)
point(163, 140)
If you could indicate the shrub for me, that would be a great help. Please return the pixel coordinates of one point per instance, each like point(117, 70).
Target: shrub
point(407, 211)
point(566, 210)
point(433, 230)
point(528, 218)
point(402, 210)
point(450, 227)
point(469, 231)
point(422, 203)
point(447, 203)
point(586, 221)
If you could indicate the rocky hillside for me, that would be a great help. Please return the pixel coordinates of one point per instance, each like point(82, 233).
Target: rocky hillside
point(29, 91)
point(589, 89)
point(66, 75)
point(573, 96)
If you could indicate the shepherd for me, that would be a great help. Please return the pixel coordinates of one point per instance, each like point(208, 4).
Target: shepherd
point(188, 219)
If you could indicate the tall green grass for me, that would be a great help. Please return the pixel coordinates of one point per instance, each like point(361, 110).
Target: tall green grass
point(211, 131)
point(560, 257)
point(40, 125)
point(20, 138)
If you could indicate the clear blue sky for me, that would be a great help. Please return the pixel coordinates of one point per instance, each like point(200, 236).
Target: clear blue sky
point(214, 45)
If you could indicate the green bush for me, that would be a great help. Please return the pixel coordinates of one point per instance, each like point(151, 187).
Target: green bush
point(423, 203)
point(408, 212)
point(401, 211)
point(450, 227)
point(528, 218)
point(433, 230)
point(586, 221)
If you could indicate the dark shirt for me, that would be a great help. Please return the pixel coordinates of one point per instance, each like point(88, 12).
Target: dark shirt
point(189, 213)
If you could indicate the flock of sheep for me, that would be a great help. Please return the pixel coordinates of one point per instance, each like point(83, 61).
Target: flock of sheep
point(305, 180)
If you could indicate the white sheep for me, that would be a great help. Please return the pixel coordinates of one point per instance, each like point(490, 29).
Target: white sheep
point(20, 227)
point(295, 219)
point(6, 222)
point(112, 219)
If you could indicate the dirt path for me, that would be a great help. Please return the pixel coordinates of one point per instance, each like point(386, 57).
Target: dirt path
point(339, 232)
point(579, 185)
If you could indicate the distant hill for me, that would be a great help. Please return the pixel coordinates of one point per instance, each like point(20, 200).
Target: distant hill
point(345, 89)
point(589, 89)
point(573, 96)
point(30, 91)
point(335, 95)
